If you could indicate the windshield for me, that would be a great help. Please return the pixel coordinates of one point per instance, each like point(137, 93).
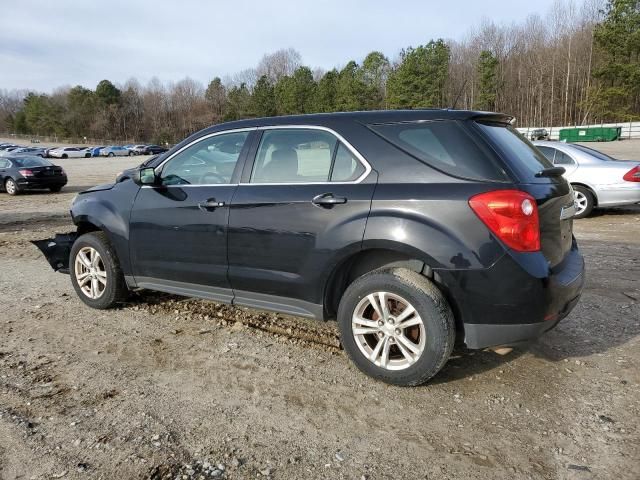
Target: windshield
point(594, 153)
point(517, 150)
point(31, 162)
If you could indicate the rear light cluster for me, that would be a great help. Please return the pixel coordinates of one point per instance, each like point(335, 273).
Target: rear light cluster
point(512, 215)
point(26, 172)
point(633, 175)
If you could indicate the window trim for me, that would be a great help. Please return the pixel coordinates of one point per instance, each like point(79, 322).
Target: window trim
point(354, 152)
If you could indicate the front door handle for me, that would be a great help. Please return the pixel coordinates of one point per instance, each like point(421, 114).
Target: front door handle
point(210, 204)
point(328, 199)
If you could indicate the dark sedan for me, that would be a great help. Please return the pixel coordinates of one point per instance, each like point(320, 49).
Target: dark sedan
point(153, 150)
point(29, 173)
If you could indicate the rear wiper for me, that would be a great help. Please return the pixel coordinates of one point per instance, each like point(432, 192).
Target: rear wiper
point(551, 172)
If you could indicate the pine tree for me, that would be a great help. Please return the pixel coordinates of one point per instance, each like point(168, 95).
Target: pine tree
point(488, 81)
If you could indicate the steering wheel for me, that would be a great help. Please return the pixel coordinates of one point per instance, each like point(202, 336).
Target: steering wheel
point(206, 178)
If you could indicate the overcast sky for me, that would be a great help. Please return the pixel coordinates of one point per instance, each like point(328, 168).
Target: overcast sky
point(50, 43)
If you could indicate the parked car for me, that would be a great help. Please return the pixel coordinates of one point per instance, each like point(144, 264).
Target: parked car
point(115, 151)
point(139, 149)
point(30, 151)
point(47, 151)
point(68, 152)
point(412, 228)
point(8, 149)
point(29, 173)
point(95, 151)
point(598, 180)
point(539, 134)
point(153, 150)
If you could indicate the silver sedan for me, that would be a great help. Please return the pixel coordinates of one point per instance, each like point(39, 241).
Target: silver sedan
point(598, 180)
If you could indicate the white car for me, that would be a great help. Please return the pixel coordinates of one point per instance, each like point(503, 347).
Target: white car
point(598, 180)
point(69, 152)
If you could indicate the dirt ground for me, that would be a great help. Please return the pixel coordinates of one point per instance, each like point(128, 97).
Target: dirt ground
point(166, 386)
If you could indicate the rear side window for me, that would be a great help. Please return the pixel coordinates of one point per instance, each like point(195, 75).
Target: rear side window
point(304, 156)
point(517, 150)
point(444, 145)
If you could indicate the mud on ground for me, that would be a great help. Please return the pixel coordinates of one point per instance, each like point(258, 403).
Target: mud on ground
point(167, 386)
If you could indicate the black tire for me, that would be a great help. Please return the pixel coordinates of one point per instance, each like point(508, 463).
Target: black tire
point(55, 189)
point(131, 154)
point(429, 303)
point(64, 155)
point(111, 154)
point(585, 195)
point(11, 187)
point(115, 291)
point(87, 155)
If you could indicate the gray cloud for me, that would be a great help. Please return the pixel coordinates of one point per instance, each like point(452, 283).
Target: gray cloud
point(45, 44)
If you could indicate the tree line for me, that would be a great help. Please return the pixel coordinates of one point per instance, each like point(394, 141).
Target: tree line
point(579, 63)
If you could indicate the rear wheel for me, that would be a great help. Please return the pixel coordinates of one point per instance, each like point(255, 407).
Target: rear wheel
point(584, 201)
point(64, 155)
point(95, 271)
point(87, 155)
point(11, 187)
point(396, 326)
point(55, 189)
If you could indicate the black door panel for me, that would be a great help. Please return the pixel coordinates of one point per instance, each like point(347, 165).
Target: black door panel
point(174, 237)
point(281, 243)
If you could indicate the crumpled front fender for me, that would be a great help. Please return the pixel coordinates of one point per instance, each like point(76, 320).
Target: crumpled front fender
point(57, 250)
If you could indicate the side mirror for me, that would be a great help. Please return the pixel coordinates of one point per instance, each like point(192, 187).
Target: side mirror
point(146, 176)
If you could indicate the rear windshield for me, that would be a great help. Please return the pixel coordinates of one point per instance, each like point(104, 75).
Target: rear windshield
point(31, 162)
point(516, 149)
point(594, 153)
point(444, 145)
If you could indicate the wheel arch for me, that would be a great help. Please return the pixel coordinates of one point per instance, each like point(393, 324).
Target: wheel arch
point(591, 190)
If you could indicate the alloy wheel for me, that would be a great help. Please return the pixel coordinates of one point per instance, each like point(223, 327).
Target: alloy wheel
point(581, 202)
point(388, 331)
point(90, 272)
point(10, 186)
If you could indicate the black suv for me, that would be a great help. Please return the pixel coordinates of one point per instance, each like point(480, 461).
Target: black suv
point(412, 228)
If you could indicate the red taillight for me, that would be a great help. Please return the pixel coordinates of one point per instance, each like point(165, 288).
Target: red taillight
point(512, 215)
point(25, 172)
point(633, 175)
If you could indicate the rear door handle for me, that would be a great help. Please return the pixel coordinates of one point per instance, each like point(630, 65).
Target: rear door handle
point(210, 204)
point(328, 199)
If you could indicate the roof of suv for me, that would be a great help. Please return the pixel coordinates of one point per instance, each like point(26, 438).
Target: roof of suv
point(365, 117)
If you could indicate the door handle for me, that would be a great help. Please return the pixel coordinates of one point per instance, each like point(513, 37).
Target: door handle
point(210, 204)
point(327, 199)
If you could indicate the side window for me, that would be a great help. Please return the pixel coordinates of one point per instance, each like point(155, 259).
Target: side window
point(207, 162)
point(4, 163)
point(346, 168)
point(548, 152)
point(562, 159)
point(294, 156)
point(303, 156)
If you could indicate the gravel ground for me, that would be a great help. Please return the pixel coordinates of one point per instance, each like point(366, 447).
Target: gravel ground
point(166, 386)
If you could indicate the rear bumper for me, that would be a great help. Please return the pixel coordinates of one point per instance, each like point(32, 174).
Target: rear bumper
point(507, 305)
point(43, 182)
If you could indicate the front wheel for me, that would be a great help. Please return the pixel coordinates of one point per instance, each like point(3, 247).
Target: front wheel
point(584, 201)
point(111, 154)
point(95, 271)
point(396, 326)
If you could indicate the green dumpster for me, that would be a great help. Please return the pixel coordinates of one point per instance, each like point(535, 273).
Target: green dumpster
point(590, 134)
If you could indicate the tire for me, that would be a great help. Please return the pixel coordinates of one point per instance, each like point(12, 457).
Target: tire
point(87, 155)
point(131, 154)
point(585, 201)
point(11, 187)
point(435, 334)
point(55, 189)
point(64, 155)
point(111, 154)
point(111, 291)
